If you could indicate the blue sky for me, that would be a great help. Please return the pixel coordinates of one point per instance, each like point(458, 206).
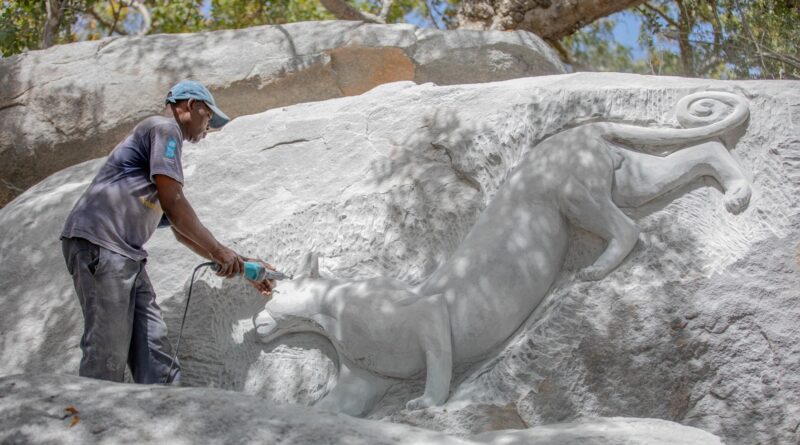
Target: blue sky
point(626, 32)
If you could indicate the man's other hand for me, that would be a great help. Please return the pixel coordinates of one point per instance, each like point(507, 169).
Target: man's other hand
point(264, 287)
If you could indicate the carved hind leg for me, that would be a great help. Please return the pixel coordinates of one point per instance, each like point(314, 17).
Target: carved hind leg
point(641, 177)
point(594, 211)
point(434, 332)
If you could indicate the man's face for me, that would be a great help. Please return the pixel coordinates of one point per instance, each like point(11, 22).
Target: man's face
point(200, 115)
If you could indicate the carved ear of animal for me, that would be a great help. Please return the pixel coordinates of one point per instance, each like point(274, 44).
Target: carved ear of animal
point(310, 266)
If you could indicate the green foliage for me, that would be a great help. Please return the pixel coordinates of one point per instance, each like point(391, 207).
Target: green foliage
point(435, 13)
point(727, 39)
point(228, 14)
point(174, 16)
point(22, 21)
point(594, 47)
point(21, 25)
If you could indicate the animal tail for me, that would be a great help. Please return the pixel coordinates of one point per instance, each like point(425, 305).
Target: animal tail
point(701, 114)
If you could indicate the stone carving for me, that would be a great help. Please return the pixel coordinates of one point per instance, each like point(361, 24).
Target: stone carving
point(506, 264)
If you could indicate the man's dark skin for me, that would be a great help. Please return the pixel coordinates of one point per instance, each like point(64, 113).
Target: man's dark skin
point(193, 117)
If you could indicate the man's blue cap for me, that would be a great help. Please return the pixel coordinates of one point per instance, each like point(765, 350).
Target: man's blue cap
point(189, 89)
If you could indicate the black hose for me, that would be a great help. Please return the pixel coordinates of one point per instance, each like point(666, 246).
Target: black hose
point(183, 321)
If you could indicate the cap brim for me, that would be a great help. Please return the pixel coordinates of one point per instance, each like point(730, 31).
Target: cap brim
point(219, 118)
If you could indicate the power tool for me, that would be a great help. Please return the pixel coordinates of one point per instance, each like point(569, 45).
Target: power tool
point(252, 271)
point(257, 272)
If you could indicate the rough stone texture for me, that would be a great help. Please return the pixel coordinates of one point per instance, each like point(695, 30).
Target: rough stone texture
point(35, 410)
point(73, 410)
point(698, 325)
point(70, 103)
point(610, 431)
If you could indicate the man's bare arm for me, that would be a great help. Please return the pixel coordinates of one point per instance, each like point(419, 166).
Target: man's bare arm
point(194, 247)
point(184, 220)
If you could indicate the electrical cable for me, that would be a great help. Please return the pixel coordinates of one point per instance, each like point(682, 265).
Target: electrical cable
point(183, 321)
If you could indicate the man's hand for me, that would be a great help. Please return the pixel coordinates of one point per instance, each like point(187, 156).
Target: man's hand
point(230, 264)
point(264, 287)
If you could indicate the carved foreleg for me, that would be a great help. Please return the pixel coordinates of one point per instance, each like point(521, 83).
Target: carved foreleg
point(435, 339)
point(641, 178)
point(355, 393)
point(593, 210)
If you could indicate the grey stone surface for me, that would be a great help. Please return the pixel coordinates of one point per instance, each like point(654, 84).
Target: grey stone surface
point(73, 410)
point(71, 103)
point(697, 325)
point(603, 431)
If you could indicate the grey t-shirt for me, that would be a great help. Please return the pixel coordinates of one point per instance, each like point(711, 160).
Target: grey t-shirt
point(120, 209)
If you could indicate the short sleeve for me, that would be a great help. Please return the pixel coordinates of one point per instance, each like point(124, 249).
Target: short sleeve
point(165, 152)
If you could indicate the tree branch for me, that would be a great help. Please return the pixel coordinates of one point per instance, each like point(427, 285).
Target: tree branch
point(561, 50)
point(115, 13)
point(746, 27)
point(662, 14)
point(344, 11)
point(549, 19)
point(55, 12)
point(385, 7)
point(144, 12)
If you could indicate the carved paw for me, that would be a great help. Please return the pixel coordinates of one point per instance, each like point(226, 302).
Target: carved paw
point(737, 197)
point(265, 325)
point(592, 273)
point(420, 403)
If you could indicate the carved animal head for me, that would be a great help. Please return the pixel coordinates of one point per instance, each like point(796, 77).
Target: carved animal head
point(290, 310)
point(294, 305)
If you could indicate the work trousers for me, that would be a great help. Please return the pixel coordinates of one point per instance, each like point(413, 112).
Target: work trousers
point(122, 322)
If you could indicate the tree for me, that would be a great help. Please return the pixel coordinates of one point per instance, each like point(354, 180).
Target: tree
point(709, 38)
point(551, 20)
point(26, 24)
point(723, 38)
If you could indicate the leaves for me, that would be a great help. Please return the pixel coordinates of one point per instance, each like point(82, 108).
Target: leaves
point(728, 39)
point(724, 39)
point(72, 411)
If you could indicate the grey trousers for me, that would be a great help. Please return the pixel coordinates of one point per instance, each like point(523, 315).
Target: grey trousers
point(122, 322)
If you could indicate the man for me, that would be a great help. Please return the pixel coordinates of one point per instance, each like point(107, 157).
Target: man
point(139, 188)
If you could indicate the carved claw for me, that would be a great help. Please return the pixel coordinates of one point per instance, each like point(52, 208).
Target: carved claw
point(592, 273)
point(420, 403)
point(737, 198)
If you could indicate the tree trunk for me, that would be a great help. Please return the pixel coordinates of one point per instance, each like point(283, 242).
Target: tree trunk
point(549, 19)
point(685, 26)
point(345, 11)
point(55, 11)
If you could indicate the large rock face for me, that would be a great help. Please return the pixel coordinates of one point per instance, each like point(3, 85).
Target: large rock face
point(697, 326)
point(73, 410)
point(71, 103)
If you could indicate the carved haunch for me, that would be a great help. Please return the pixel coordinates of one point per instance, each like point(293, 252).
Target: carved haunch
point(504, 267)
